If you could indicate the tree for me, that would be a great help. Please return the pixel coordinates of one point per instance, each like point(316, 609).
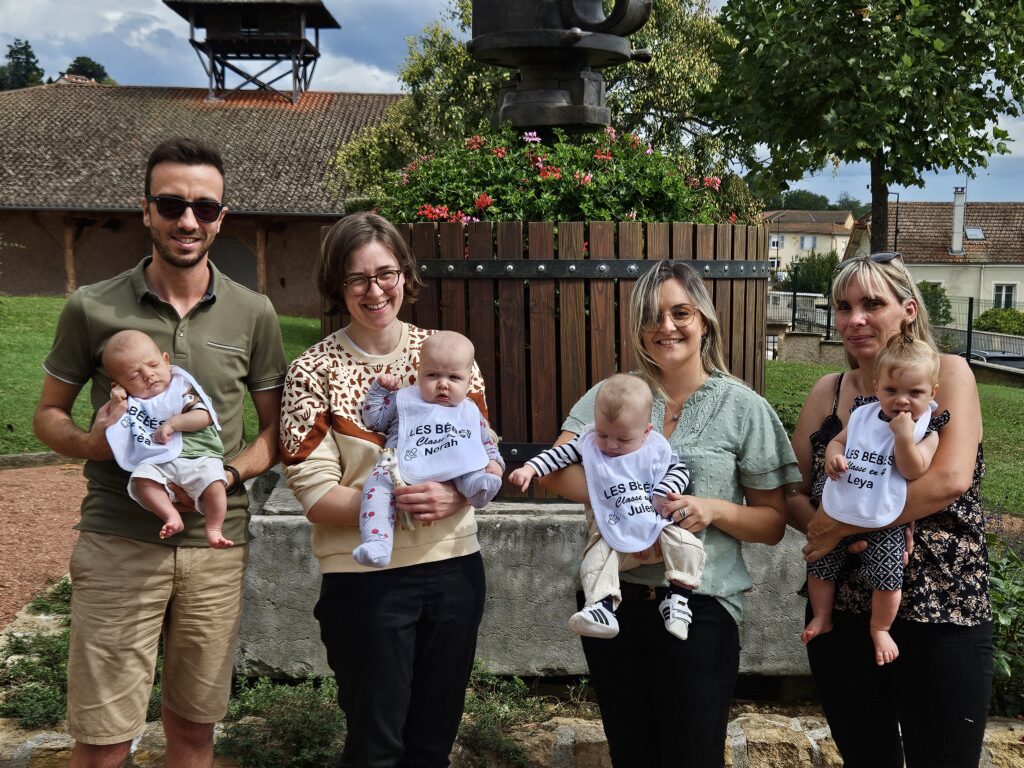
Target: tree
point(940, 310)
point(1001, 320)
point(451, 95)
point(846, 202)
point(86, 67)
point(22, 68)
point(905, 85)
point(813, 273)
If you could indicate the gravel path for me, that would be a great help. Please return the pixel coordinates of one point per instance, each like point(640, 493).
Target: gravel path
point(38, 506)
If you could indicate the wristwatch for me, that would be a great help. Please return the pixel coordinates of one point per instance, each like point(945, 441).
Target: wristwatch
point(237, 486)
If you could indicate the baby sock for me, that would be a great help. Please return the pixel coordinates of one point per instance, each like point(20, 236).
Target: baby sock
point(478, 487)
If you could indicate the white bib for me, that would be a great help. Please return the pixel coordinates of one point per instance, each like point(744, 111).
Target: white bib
point(620, 490)
point(437, 442)
point(131, 436)
point(871, 493)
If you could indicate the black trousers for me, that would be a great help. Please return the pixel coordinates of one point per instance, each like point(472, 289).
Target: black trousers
point(401, 644)
point(935, 695)
point(665, 702)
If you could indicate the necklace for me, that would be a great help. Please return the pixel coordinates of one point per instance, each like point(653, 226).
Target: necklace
point(668, 403)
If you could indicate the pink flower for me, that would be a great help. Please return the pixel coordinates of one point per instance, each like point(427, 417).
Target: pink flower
point(531, 137)
point(583, 178)
point(482, 201)
point(732, 217)
point(610, 133)
point(475, 142)
point(632, 215)
point(499, 152)
point(650, 150)
point(713, 182)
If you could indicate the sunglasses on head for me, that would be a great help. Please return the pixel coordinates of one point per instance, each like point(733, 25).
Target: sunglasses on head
point(882, 257)
point(172, 207)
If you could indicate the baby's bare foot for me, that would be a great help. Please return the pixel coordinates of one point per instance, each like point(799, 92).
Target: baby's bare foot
point(216, 539)
point(886, 650)
point(816, 627)
point(172, 525)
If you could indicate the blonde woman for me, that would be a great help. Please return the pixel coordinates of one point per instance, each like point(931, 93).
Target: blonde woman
point(665, 702)
point(928, 707)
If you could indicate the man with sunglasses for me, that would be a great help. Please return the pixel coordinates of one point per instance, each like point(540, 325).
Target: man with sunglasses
point(131, 587)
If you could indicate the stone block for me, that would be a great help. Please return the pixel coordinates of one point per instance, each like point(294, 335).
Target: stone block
point(1004, 743)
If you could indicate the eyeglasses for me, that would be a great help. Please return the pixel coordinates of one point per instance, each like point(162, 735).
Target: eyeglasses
point(386, 280)
point(882, 257)
point(173, 208)
point(681, 316)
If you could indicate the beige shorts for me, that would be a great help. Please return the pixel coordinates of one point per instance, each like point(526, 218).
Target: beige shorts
point(127, 592)
point(193, 475)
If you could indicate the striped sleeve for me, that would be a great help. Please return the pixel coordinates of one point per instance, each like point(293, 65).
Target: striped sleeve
point(675, 480)
point(556, 458)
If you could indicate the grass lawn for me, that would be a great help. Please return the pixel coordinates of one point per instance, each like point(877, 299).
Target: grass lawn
point(1002, 412)
point(27, 325)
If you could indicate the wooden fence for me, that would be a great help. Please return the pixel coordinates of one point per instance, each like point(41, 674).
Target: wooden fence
point(547, 306)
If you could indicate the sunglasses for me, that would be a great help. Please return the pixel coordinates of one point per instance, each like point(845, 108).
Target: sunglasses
point(173, 208)
point(882, 257)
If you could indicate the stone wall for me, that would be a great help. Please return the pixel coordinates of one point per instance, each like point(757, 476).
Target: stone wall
point(531, 552)
point(801, 347)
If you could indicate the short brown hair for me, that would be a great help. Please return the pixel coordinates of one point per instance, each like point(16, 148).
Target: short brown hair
point(346, 237)
point(623, 391)
point(185, 151)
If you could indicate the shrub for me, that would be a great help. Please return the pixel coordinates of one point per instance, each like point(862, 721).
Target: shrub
point(33, 676)
point(999, 320)
point(1007, 591)
point(55, 600)
point(504, 176)
point(273, 725)
point(493, 706)
point(940, 310)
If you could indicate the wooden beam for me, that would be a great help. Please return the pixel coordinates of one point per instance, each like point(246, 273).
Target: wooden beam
point(70, 281)
point(261, 258)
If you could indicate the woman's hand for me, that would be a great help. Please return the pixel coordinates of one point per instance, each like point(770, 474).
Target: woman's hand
point(823, 533)
point(431, 501)
point(690, 512)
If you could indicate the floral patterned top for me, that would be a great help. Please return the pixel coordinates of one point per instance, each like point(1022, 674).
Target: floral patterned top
point(946, 580)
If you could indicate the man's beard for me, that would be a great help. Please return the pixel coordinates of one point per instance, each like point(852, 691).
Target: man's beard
point(164, 244)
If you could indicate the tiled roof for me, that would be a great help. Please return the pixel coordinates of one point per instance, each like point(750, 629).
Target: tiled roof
point(836, 223)
point(926, 231)
point(66, 146)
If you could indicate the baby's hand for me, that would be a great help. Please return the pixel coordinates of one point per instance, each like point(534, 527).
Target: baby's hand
point(118, 394)
point(521, 477)
point(389, 381)
point(494, 468)
point(902, 424)
point(163, 433)
point(836, 466)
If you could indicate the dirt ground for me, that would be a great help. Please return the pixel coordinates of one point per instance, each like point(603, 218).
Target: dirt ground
point(38, 507)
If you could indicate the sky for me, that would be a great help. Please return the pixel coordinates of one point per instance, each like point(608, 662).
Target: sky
point(143, 42)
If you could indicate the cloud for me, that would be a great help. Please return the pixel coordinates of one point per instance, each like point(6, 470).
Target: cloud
point(340, 73)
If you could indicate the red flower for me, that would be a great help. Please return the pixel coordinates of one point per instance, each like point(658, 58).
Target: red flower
point(433, 212)
point(713, 182)
point(550, 172)
point(475, 142)
point(482, 201)
point(732, 217)
point(499, 152)
point(603, 155)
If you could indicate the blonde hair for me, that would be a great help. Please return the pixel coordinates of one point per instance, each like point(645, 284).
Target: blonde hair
point(645, 309)
point(874, 277)
point(451, 342)
point(621, 392)
point(904, 351)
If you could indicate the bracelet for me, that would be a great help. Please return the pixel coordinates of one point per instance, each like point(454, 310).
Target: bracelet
point(237, 486)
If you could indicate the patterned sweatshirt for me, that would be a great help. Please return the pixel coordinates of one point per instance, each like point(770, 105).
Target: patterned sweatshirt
point(324, 443)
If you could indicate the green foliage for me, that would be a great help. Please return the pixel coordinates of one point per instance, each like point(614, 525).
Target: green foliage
point(796, 200)
point(83, 65)
point(55, 600)
point(495, 705)
point(907, 85)
point(940, 309)
point(1001, 320)
point(271, 725)
point(33, 678)
point(502, 176)
point(451, 96)
point(22, 68)
point(812, 273)
point(1006, 576)
point(847, 202)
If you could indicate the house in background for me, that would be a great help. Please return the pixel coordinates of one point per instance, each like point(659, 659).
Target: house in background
point(794, 234)
point(72, 164)
point(972, 250)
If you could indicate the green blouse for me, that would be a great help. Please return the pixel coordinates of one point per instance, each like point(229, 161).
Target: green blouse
point(730, 438)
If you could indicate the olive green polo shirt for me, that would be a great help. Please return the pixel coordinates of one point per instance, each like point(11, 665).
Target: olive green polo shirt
point(230, 342)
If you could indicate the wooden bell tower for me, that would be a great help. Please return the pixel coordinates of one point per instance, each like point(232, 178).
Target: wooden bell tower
point(265, 33)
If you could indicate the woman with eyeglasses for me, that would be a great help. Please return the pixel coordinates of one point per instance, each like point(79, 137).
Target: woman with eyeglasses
point(400, 639)
point(664, 701)
point(930, 705)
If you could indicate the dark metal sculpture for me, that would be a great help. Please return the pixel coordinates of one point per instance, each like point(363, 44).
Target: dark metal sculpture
point(556, 45)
